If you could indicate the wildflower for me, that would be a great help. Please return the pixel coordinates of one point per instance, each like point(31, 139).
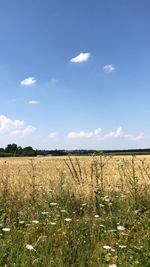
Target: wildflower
point(6, 229)
point(35, 221)
point(101, 205)
point(53, 223)
point(122, 246)
point(21, 222)
point(102, 225)
point(110, 203)
point(67, 219)
point(113, 265)
point(122, 233)
point(107, 247)
point(96, 216)
point(106, 198)
point(120, 228)
point(63, 211)
point(136, 211)
point(84, 204)
point(138, 248)
point(53, 204)
point(30, 247)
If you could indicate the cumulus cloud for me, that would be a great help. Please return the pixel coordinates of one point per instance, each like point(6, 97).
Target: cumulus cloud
point(33, 102)
point(82, 57)
point(119, 132)
point(83, 134)
point(14, 127)
point(109, 68)
point(52, 135)
point(24, 131)
point(28, 81)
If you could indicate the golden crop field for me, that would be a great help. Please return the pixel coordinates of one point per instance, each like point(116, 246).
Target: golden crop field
point(48, 171)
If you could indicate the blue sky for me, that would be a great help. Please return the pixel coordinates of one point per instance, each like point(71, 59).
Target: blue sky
point(75, 74)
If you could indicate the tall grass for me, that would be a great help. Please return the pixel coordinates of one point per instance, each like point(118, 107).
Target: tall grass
point(82, 218)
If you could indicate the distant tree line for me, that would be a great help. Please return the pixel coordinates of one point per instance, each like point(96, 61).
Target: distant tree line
point(86, 152)
point(14, 150)
point(61, 152)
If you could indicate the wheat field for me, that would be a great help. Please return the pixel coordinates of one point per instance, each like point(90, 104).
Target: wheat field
point(47, 172)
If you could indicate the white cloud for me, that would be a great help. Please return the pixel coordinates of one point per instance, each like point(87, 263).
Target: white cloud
point(33, 102)
point(140, 136)
point(28, 130)
point(24, 132)
point(14, 127)
point(83, 134)
point(119, 132)
point(52, 135)
point(82, 57)
point(28, 81)
point(109, 68)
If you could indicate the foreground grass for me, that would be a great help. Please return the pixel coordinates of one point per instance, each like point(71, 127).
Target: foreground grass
point(62, 227)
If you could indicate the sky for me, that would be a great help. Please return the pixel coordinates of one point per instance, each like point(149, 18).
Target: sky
point(75, 74)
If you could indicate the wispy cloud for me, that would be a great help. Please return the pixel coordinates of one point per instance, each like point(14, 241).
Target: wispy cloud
point(136, 137)
point(119, 132)
point(109, 68)
point(33, 102)
point(140, 136)
point(82, 57)
point(52, 135)
point(28, 81)
point(14, 127)
point(83, 134)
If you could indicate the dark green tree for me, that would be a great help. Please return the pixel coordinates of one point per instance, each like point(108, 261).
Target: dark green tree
point(29, 151)
point(11, 148)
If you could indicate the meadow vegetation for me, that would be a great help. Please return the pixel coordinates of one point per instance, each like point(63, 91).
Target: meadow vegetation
point(75, 211)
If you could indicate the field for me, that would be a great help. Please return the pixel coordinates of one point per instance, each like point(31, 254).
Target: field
point(75, 211)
